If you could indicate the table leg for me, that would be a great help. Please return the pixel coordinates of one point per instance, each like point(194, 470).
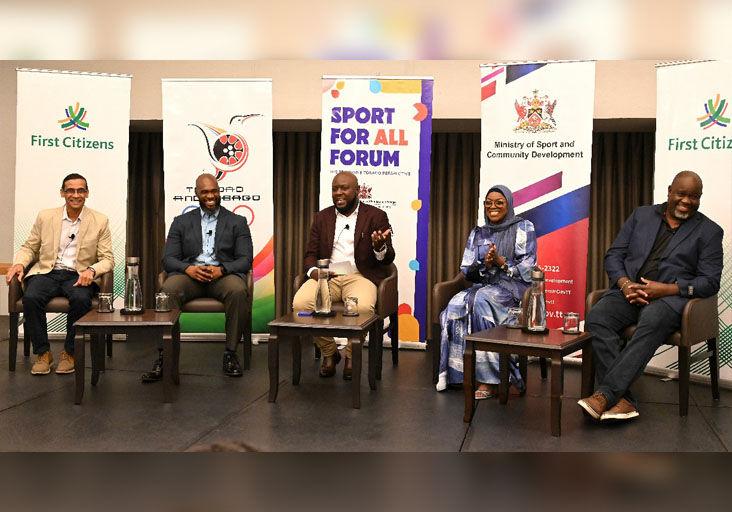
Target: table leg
point(373, 355)
point(295, 341)
point(79, 350)
point(94, 350)
point(273, 360)
point(503, 384)
point(357, 354)
point(588, 371)
point(556, 395)
point(468, 380)
point(175, 339)
point(167, 369)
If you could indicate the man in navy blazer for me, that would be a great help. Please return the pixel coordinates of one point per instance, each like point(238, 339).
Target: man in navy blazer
point(208, 254)
point(663, 256)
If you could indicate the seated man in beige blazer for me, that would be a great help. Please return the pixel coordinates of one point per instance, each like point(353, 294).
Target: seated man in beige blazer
point(68, 247)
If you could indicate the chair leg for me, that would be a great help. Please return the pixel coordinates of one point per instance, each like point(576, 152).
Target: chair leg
point(542, 366)
point(13, 341)
point(435, 348)
point(523, 364)
point(684, 368)
point(394, 334)
point(713, 347)
point(378, 339)
point(26, 343)
point(108, 338)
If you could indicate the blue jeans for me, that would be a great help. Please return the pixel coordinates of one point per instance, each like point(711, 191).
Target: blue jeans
point(615, 368)
point(39, 290)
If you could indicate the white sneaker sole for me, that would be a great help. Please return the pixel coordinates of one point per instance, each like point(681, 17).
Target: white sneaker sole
point(589, 410)
point(41, 373)
point(619, 416)
point(65, 372)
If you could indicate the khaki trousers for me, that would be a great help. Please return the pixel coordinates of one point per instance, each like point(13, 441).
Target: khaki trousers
point(354, 285)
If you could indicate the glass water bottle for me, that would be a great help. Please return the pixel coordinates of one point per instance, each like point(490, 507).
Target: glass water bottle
point(322, 295)
point(536, 313)
point(133, 290)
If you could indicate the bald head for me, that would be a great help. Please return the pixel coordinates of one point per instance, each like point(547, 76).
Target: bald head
point(684, 196)
point(345, 192)
point(208, 193)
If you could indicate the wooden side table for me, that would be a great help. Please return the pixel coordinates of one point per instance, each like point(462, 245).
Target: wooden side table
point(353, 327)
point(553, 345)
point(96, 325)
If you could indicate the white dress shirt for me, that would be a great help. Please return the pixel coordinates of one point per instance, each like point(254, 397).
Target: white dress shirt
point(68, 243)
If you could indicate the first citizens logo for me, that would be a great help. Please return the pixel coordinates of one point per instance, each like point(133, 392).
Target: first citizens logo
point(75, 118)
point(714, 109)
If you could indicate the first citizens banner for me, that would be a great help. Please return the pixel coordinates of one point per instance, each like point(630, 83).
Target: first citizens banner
point(693, 133)
point(72, 122)
point(224, 127)
point(536, 138)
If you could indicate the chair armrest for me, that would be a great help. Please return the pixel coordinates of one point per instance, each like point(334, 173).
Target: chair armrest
point(444, 291)
point(162, 276)
point(699, 321)
point(250, 288)
point(15, 293)
point(387, 295)
point(298, 281)
point(592, 299)
point(106, 282)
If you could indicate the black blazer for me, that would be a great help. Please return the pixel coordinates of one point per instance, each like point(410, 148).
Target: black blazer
point(232, 244)
point(693, 256)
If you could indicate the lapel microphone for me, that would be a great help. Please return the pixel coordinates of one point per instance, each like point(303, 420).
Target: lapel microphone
point(72, 236)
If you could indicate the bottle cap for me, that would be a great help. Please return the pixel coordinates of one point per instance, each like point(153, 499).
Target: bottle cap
point(537, 274)
point(322, 263)
point(133, 260)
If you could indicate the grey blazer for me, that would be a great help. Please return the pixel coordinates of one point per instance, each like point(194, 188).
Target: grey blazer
point(232, 244)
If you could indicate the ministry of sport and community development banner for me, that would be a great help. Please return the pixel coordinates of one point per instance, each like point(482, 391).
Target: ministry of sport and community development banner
point(536, 138)
point(224, 127)
point(693, 132)
point(380, 129)
point(72, 122)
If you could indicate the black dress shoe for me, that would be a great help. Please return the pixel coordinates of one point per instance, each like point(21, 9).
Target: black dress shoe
point(232, 368)
point(348, 369)
point(157, 371)
point(328, 366)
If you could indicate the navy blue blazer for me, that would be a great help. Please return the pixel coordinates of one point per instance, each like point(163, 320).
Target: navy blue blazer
point(693, 257)
point(232, 243)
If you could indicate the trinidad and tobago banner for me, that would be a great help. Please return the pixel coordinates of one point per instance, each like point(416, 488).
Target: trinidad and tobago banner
point(694, 132)
point(224, 127)
point(380, 129)
point(536, 138)
point(67, 122)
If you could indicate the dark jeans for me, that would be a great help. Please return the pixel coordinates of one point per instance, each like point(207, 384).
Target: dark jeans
point(231, 290)
point(616, 369)
point(39, 290)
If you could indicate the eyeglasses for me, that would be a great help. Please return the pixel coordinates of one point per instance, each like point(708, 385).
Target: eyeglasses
point(72, 191)
point(498, 204)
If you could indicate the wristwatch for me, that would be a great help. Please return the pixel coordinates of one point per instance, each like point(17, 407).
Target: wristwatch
point(92, 271)
point(504, 267)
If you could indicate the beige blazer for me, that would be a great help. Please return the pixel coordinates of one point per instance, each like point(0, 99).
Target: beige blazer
point(41, 248)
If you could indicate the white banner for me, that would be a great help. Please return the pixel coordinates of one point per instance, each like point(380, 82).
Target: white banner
point(536, 138)
point(224, 127)
point(72, 122)
point(693, 133)
point(380, 129)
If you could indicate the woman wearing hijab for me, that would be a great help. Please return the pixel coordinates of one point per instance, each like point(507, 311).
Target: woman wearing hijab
point(498, 259)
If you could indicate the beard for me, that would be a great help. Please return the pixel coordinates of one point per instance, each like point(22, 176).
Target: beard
point(349, 206)
point(682, 215)
point(217, 204)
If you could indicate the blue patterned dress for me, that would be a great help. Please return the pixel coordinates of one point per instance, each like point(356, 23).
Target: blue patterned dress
point(485, 304)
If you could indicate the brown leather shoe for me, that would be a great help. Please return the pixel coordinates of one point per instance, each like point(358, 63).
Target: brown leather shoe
point(594, 405)
point(348, 369)
point(621, 411)
point(328, 366)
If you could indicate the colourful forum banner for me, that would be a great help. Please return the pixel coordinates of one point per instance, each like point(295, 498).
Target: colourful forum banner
point(536, 138)
point(224, 127)
point(380, 129)
point(68, 122)
point(693, 132)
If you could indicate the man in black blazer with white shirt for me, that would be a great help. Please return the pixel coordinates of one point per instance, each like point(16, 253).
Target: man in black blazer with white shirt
point(663, 256)
point(208, 253)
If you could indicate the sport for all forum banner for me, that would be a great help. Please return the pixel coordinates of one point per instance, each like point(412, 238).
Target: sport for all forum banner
point(224, 127)
point(693, 132)
point(536, 138)
point(380, 129)
point(72, 122)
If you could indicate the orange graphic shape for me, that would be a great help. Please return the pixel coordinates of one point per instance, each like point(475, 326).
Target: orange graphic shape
point(421, 112)
point(408, 328)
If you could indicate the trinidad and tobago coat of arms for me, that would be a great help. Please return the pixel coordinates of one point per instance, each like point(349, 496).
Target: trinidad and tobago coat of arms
point(227, 149)
point(535, 114)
